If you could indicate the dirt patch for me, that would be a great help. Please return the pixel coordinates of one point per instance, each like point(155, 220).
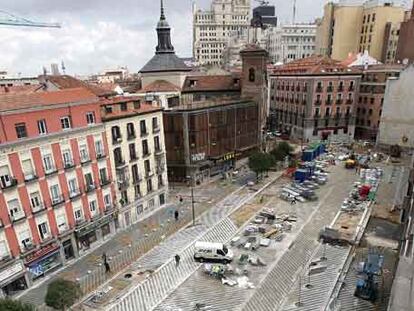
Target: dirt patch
point(243, 214)
point(384, 212)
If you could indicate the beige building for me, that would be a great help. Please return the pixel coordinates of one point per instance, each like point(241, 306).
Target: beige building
point(356, 26)
point(135, 138)
point(214, 28)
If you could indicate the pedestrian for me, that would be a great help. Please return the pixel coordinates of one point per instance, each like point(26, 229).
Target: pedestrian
point(107, 267)
point(104, 258)
point(176, 215)
point(293, 202)
point(180, 199)
point(177, 260)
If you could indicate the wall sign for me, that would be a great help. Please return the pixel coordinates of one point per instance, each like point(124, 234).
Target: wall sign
point(10, 271)
point(198, 157)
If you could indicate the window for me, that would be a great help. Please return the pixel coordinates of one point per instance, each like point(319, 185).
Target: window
point(107, 200)
point(90, 117)
point(118, 156)
point(137, 104)
point(48, 163)
point(25, 239)
point(143, 127)
point(162, 199)
point(160, 181)
point(55, 193)
point(149, 185)
point(135, 174)
point(140, 209)
point(41, 127)
point(145, 150)
point(157, 143)
point(137, 190)
point(21, 130)
point(147, 166)
point(252, 75)
point(27, 169)
point(78, 214)
point(108, 109)
point(67, 158)
point(83, 150)
point(89, 181)
point(132, 152)
point(35, 200)
point(65, 123)
point(73, 187)
point(43, 230)
point(130, 130)
point(5, 178)
point(99, 148)
point(61, 223)
point(103, 175)
point(124, 107)
point(3, 249)
point(93, 206)
point(116, 134)
point(14, 208)
point(155, 123)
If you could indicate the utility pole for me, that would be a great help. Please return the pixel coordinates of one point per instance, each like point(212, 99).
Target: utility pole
point(294, 12)
point(191, 179)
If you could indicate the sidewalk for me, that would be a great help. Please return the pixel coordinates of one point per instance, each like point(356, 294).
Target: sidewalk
point(155, 224)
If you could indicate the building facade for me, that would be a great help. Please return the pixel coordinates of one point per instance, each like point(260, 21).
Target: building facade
point(57, 194)
point(213, 29)
point(287, 43)
point(405, 49)
point(371, 98)
point(351, 27)
point(314, 99)
point(397, 118)
point(135, 136)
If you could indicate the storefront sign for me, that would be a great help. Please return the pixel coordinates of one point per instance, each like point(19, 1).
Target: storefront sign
point(45, 264)
point(8, 272)
point(198, 157)
point(94, 225)
point(229, 156)
point(41, 252)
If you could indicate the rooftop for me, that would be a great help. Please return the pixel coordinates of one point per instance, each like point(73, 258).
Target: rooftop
point(212, 83)
point(20, 89)
point(160, 86)
point(19, 101)
point(118, 114)
point(165, 62)
point(314, 65)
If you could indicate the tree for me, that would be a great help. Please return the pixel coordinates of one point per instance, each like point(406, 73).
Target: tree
point(282, 150)
point(260, 162)
point(15, 305)
point(285, 148)
point(62, 294)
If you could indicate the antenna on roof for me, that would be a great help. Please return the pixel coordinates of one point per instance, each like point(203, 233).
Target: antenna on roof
point(63, 67)
point(294, 12)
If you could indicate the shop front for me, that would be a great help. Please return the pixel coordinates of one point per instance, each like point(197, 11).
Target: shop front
point(93, 232)
point(43, 261)
point(223, 164)
point(13, 278)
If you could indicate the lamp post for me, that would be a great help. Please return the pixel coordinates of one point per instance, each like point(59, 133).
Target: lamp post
point(191, 179)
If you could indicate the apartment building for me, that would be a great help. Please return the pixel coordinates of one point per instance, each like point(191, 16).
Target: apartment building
point(405, 48)
point(287, 43)
point(314, 99)
point(371, 98)
point(57, 195)
point(135, 138)
point(355, 26)
point(212, 29)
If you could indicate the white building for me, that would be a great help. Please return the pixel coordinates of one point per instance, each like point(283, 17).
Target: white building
point(290, 42)
point(213, 29)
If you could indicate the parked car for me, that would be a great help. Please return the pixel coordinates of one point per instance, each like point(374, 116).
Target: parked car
point(212, 252)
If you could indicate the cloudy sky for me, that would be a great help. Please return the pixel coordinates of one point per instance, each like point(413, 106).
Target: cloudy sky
point(102, 34)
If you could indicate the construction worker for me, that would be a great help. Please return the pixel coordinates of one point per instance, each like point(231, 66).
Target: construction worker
point(177, 260)
point(176, 215)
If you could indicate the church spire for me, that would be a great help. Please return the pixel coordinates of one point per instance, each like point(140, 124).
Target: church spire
point(164, 34)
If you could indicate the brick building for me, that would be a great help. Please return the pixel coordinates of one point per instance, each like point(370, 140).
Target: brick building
point(314, 98)
point(405, 48)
point(371, 98)
point(135, 138)
point(206, 138)
point(56, 196)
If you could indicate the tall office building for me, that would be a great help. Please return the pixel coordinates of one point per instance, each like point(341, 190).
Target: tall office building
point(356, 26)
point(212, 29)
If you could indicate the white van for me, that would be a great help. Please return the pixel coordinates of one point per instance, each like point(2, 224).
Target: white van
point(207, 251)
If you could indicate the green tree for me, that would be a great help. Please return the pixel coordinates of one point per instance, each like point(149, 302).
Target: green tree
point(285, 147)
point(282, 150)
point(62, 294)
point(15, 305)
point(260, 162)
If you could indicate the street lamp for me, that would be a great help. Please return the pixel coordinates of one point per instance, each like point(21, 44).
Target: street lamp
point(191, 179)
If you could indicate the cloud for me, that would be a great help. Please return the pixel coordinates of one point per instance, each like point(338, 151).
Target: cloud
point(101, 34)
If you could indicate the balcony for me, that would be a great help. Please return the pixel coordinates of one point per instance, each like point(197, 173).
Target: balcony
point(158, 151)
point(74, 193)
point(116, 140)
point(131, 136)
point(28, 247)
point(5, 258)
point(148, 174)
point(85, 160)
point(10, 183)
point(119, 163)
point(298, 88)
point(319, 89)
point(156, 129)
point(58, 200)
point(30, 177)
point(100, 155)
point(144, 133)
point(109, 209)
point(329, 89)
point(328, 102)
point(318, 103)
point(50, 171)
point(89, 188)
point(123, 184)
point(63, 229)
point(349, 101)
point(17, 216)
point(146, 154)
point(105, 181)
point(38, 209)
point(69, 164)
point(339, 101)
point(80, 222)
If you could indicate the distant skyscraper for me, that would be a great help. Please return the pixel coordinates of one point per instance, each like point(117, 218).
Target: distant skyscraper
point(213, 29)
